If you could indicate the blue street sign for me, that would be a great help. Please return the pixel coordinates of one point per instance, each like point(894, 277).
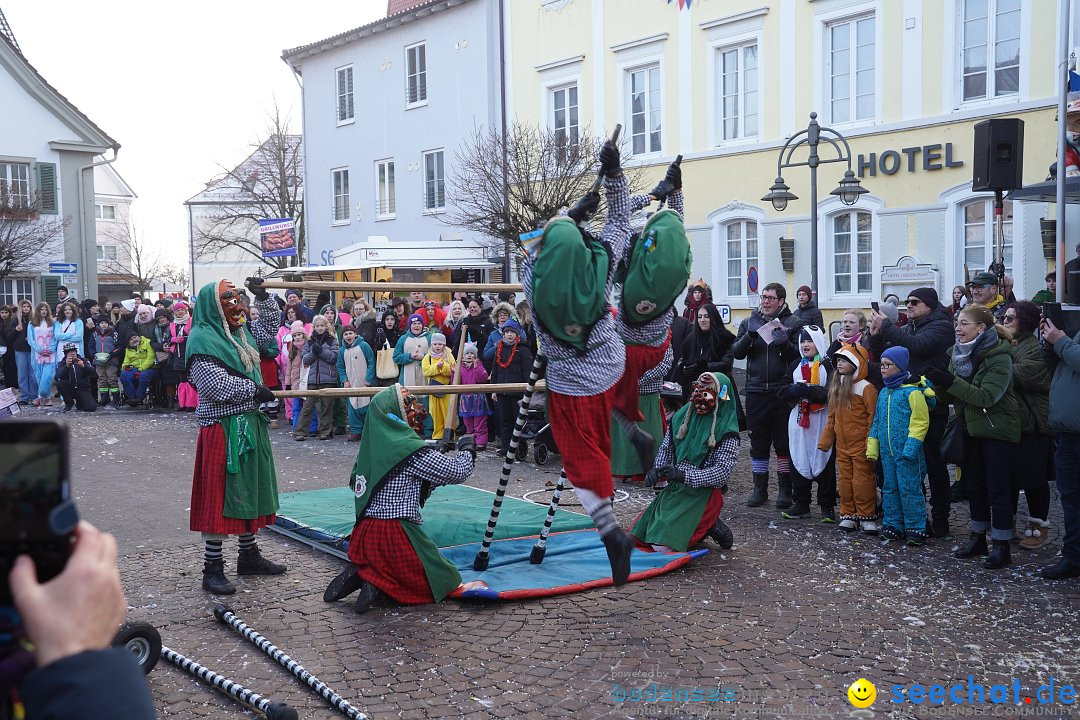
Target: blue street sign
point(60, 268)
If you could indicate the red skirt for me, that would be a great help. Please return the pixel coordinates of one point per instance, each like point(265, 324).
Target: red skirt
point(208, 489)
point(581, 426)
point(639, 360)
point(269, 370)
point(384, 556)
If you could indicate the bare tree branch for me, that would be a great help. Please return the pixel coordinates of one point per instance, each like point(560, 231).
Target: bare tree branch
point(26, 237)
point(547, 172)
point(267, 185)
point(134, 256)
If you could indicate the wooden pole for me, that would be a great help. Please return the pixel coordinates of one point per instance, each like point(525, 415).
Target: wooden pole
point(414, 389)
point(455, 380)
point(278, 284)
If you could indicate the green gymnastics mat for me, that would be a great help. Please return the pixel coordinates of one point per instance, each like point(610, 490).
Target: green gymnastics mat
point(453, 515)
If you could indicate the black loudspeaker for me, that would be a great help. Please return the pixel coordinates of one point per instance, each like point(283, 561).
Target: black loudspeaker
point(999, 155)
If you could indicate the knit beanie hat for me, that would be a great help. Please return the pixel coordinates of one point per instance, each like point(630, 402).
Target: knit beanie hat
point(889, 310)
point(805, 289)
point(513, 324)
point(297, 327)
point(163, 313)
point(899, 356)
point(416, 317)
point(129, 305)
point(438, 337)
point(292, 291)
point(348, 328)
point(470, 347)
point(928, 295)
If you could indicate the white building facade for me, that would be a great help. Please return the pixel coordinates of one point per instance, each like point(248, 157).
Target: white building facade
point(385, 108)
point(47, 151)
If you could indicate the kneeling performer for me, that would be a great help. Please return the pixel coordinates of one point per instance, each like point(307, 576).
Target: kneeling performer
point(699, 452)
point(394, 474)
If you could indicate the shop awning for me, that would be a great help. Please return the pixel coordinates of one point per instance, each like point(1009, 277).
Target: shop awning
point(1046, 192)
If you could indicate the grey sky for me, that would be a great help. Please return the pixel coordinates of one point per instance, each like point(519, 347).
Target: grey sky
point(183, 87)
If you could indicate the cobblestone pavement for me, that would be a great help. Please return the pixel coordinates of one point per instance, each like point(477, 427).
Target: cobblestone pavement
point(779, 626)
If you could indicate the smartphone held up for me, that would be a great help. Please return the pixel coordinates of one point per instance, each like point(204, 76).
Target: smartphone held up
point(37, 515)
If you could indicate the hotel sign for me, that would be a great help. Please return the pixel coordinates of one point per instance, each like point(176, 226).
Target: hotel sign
point(925, 157)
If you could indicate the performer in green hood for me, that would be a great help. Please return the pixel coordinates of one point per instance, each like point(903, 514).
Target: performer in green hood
point(234, 489)
point(395, 471)
point(696, 458)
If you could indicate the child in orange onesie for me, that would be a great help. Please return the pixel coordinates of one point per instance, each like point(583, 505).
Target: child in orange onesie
point(852, 400)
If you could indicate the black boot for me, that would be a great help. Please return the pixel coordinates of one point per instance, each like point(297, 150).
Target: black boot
point(976, 546)
point(368, 595)
point(721, 535)
point(251, 562)
point(103, 399)
point(214, 580)
point(619, 546)
point(800, 509)
point(783, 496)
point(1000, 555)
point(343, 585)
point(761, 490)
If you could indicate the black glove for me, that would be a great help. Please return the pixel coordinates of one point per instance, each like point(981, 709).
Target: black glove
point(609, 160)
point(799, 390)
point(445, 446)
point(263, 394)
point(254, 284)
point(662, 190)
point(670, 472)
point(585, 207)
point(940, 378)
point(779, 334)
point(652, 477)
point(467, 443)
point(674, 176)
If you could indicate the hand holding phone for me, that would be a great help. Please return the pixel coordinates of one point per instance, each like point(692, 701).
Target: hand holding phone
point(875, 306)
point(37, 517)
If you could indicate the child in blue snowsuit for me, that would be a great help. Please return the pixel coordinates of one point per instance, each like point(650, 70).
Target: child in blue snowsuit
point(896, 438)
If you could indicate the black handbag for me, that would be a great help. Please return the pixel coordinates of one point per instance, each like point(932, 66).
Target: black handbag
point(952, 441)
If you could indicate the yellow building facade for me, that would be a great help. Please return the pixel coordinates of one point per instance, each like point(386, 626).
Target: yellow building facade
point(726, 82)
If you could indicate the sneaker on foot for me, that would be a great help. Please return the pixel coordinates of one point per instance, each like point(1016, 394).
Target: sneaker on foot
point(916, 538)
point(870, 527)
point(891, 533)
point(848, 525)
point(828, 517)
point(797, 511)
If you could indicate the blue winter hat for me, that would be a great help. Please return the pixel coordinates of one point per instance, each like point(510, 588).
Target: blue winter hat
point(899, 356)
point(513, 324)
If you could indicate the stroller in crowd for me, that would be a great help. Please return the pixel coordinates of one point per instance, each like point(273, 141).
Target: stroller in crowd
point(537, 431)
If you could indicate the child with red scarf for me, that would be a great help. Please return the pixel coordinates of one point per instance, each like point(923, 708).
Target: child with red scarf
point(512, 364)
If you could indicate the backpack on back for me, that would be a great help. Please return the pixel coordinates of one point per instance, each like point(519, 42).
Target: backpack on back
point(657, 269)
point(569, 282)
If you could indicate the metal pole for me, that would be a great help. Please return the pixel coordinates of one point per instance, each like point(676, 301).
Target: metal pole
point(1063, 78)
point(812, 141)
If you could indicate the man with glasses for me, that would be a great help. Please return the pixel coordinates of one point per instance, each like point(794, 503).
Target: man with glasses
point(767, 363)
point(927, 336)
point(984, 291)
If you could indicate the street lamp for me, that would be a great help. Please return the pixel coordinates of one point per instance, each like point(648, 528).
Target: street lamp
point(848, 190)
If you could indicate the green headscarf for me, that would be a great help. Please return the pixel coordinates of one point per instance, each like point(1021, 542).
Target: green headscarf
point(388, 440)
point(695, 435)
point(211, 335)
point(569, 282)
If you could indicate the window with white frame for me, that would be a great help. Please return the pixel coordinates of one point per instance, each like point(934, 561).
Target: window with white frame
point(853, 251)
point(849, 69)
point(416, 74)
point(644, 103)
point(14, 289)
point(742, 253)
point(104, 212)
point(980, 248)
point(345, 109)
point(385, 200)
point(991, 48)
point(14, 185)
point(106, 252)
point(564, 112)
point(737, 91)
point(340, 180)
point(434, 186)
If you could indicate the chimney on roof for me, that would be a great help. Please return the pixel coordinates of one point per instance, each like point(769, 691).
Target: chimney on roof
point(393, 7)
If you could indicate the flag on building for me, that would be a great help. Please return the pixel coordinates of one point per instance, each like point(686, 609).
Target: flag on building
point(682, 3)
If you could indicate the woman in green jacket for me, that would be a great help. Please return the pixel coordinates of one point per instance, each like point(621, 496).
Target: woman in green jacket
point(1031, 385)
point(979, 384)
